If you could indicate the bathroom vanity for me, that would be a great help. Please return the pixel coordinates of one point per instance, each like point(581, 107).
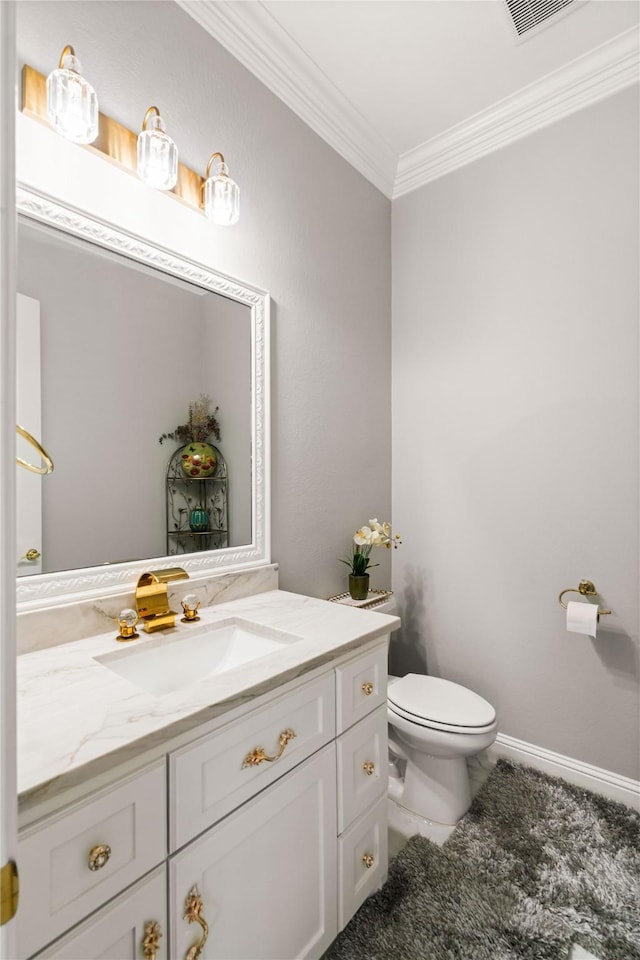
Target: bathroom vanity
point(247, 808)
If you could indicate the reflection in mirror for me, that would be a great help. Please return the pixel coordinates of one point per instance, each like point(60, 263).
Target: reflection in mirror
point(111, 353)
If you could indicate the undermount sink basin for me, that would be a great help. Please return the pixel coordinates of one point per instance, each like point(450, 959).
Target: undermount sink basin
point(170, 662)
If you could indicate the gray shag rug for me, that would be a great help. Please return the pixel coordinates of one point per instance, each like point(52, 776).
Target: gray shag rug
point(534, 866)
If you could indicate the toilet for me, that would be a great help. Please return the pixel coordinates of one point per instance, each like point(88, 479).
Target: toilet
point(434, 725)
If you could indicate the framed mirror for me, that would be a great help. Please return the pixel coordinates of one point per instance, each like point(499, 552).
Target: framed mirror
point(118, 340)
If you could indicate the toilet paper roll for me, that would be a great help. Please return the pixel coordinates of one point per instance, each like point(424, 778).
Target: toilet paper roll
point(582, 618)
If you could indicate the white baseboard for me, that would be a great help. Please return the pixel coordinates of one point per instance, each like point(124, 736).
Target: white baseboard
point(609, 784)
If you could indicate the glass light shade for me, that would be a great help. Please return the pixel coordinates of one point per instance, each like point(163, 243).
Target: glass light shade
point(72, 104)
point(222, 199)
point(157, 156)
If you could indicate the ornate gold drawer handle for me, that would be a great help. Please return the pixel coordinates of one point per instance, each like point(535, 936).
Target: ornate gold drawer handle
point(98, 856)
point(48, 462)
point(258, 756)
point(367, 689)
point(368, 861)
point(151, 939)
point(369, 768)
point(193, 907)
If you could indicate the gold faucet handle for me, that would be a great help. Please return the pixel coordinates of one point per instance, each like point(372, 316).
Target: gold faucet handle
point(127, 621)
point(190, 605)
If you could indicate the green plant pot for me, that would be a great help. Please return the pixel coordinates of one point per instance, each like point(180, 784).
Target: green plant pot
point(198, 460)
point(359, 587)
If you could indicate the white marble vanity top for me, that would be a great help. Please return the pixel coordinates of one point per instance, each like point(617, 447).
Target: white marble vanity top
point(77, 718)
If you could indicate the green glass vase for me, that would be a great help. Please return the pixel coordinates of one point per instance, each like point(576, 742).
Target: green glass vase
point(359, 586)
point(198, 520)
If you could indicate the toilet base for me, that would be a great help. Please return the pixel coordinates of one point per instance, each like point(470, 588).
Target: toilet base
point(436, 788)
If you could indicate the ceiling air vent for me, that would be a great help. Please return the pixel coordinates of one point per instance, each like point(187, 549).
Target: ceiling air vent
point(527, 14)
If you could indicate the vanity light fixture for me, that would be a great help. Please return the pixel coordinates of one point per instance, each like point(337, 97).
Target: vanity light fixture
point(221, 193)
point(72, 104)
point(157, 153)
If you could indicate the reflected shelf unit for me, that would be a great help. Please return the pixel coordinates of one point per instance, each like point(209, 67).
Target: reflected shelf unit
point(197, 507)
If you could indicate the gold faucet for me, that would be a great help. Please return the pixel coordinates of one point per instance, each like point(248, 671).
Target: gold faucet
point(152, 601)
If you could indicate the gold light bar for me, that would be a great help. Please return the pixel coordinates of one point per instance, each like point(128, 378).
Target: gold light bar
point(114, 141)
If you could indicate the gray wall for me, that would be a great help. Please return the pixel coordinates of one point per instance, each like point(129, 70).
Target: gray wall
point(313, 232)
point(515, 430)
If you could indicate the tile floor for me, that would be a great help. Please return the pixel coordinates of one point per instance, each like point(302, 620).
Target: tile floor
point(403, 825)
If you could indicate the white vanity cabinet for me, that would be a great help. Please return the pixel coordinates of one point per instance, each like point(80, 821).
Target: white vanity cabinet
point(275, 828)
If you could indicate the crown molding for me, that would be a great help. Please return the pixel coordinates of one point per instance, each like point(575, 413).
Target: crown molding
point(586, 80)
point(249, 32)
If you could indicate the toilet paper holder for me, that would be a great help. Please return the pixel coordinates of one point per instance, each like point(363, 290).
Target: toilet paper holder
point(586, 589)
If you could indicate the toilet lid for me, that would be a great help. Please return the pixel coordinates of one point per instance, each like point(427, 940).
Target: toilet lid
point(431, 698)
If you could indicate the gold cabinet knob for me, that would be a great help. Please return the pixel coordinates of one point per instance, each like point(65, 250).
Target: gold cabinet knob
point(151, 940)
point(369, 768)
point(31, 555)
point(367, 689)
point(368, 861)
point(98, 856)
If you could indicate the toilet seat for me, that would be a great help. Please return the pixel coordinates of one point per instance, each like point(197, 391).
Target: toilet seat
point(440, 704)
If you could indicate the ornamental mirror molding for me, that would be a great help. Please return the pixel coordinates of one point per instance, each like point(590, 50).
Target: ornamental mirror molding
point(43, 590)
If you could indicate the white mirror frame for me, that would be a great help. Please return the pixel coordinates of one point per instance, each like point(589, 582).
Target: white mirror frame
point(43, 590)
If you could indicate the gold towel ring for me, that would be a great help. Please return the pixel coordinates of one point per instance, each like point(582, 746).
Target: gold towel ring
point(43, 471)
point(586, 589)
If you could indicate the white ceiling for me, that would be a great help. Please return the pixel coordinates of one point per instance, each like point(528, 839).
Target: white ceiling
point(396, 85)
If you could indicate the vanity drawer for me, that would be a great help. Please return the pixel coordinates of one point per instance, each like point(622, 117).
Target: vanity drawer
point(118, 930)
point(362, 766)
point(363, 855)
point(58, 887)
point(211, 777)
point(361, 686)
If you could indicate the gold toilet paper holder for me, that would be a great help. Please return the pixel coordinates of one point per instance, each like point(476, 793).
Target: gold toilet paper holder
point(586, 589)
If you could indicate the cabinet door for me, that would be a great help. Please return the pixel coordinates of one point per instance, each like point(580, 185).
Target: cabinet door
point(123, 929)
point(361, 686)
point(266, 874)
point(208, 778)
point(362, 767)
point(73, 862)
point(363, 860)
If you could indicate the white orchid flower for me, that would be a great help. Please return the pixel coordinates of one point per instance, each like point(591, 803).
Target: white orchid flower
point(376, 535)
point(363, 536)
point(384, 529)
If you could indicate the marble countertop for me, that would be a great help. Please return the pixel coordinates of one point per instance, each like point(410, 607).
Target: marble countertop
point(78, 718)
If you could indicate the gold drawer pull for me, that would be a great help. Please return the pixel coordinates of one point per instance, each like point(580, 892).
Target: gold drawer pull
point(258, 756)
point(367, 689)
point(193, 907)
point(369, 768)
point(368, 861)
point(98, 856)
point(151, 939)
